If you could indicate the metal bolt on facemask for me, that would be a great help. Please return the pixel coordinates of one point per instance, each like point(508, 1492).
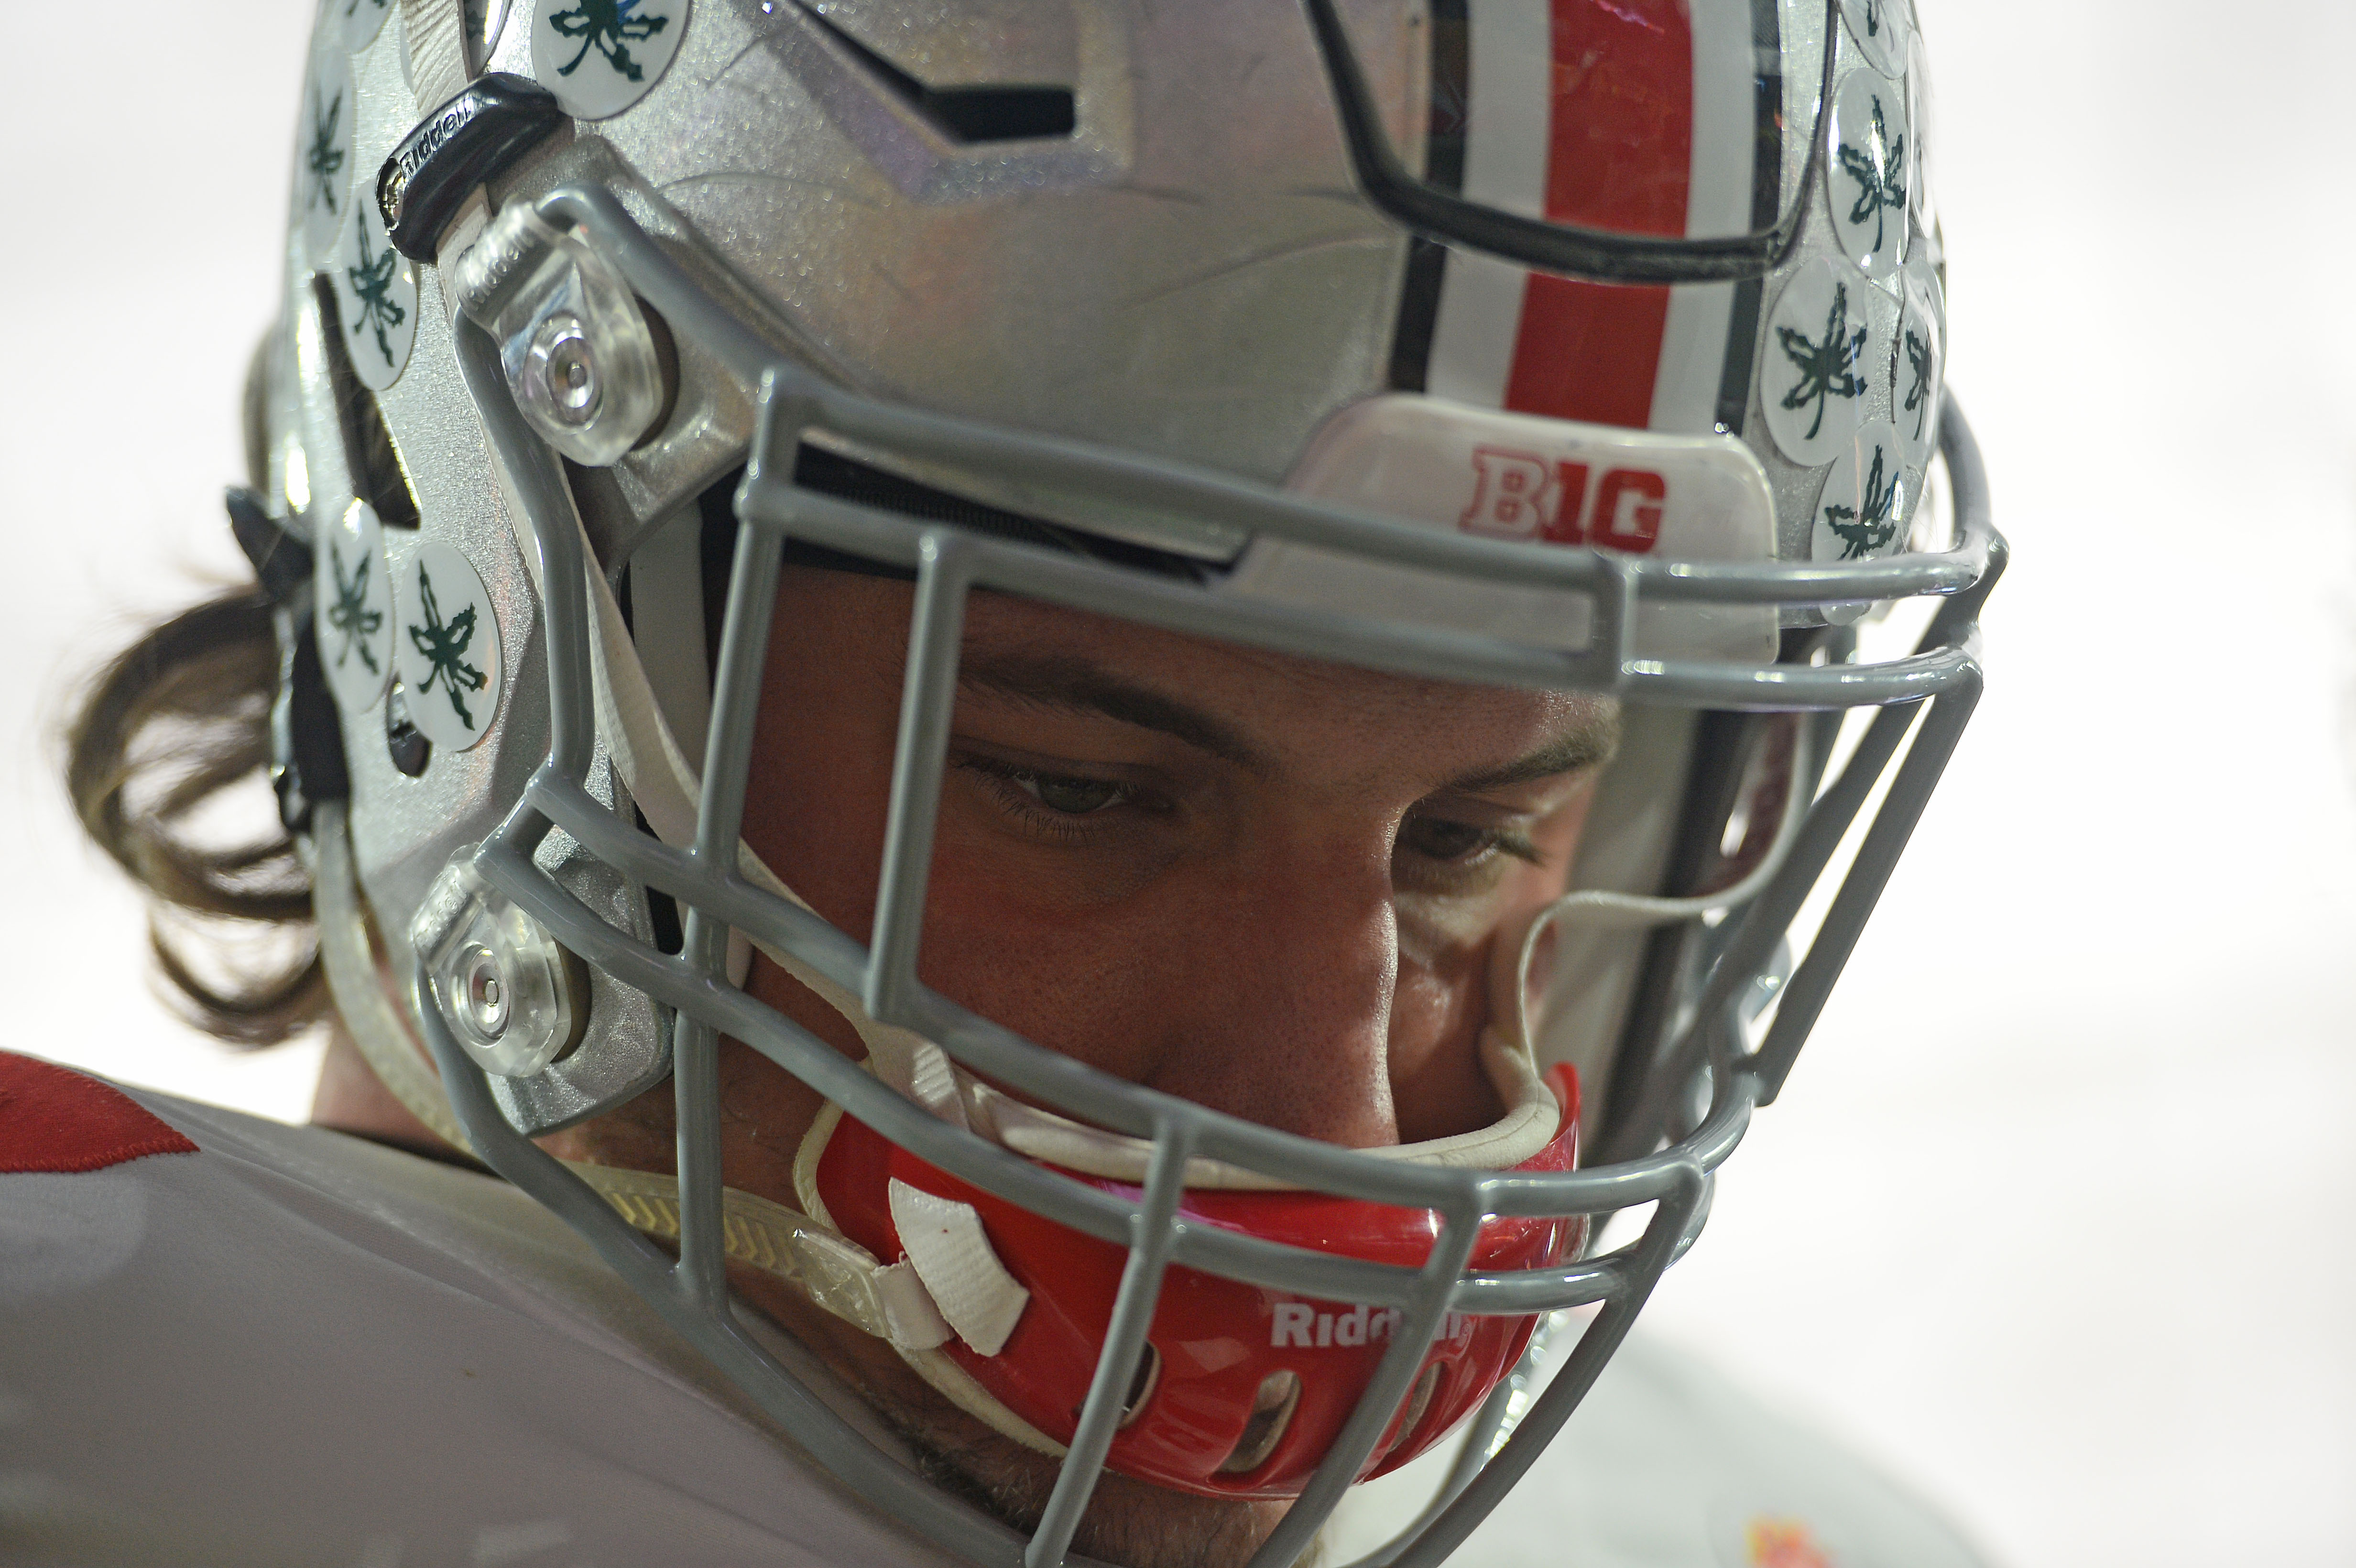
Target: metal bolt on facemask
point(580, 359)
point(508, 990)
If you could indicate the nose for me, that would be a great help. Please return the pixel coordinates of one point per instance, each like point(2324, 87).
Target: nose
point(1280, 1010)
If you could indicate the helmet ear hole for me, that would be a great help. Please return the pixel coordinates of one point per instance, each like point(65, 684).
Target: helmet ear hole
point(1141, 1386)
point(403, 740)
point(1271, 1413)
point(1418, 1400)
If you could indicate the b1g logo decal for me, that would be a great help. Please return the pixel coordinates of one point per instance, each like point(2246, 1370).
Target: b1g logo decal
point(1530, 480)
point(1522, 495)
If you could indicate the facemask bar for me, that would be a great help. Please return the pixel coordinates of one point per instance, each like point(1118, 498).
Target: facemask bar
point(707, 881)
point(1599, 254)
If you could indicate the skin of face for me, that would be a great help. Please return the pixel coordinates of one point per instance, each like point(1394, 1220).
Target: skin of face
point(1278, 888)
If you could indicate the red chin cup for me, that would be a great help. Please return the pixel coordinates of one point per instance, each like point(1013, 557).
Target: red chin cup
point(1243, 1389)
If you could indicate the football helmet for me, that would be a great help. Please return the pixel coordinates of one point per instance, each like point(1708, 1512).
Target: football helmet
point(1584, 346)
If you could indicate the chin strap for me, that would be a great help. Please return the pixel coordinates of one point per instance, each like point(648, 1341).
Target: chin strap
point(1625, 911)
point(889, 1302)
point(893, 1302)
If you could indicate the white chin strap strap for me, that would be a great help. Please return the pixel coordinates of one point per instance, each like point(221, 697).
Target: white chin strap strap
point(1630, 911)
point(913, 1304)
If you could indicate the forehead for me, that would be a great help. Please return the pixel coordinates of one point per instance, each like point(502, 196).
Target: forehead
point(1298, 712)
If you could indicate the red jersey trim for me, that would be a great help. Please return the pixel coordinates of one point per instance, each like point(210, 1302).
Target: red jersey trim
point(56, 1120)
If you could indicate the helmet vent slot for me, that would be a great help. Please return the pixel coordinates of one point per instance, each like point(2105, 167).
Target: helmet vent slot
point(379, 475)
point(1271, 1413)
point(830, 473)
point(1000, 114)
point(969, 115)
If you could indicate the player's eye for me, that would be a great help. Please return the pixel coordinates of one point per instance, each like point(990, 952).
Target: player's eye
point(1072, 796)
point(1436, 838)
point(1050, 798)
point(1452, 843)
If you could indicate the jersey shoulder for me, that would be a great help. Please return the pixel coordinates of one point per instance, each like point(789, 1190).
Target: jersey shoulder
point(1670, 1464)
point(224, 1337)
point(55, 1121)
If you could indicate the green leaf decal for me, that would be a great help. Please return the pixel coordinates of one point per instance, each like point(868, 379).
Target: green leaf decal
point(444, 644)
point(371, 283)
point(1918, 388)
point(351, 614)
point(1825, 371)
point(326, 160)
point(609, 27)
point(1865, 529)
point(1881, 187)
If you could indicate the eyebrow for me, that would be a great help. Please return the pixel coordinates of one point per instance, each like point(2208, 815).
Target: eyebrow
point(1076, 685)
point(1066, 683)
point(1592, 742)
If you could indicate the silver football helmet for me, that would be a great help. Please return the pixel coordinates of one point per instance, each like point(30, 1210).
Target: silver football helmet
point(1585, 347)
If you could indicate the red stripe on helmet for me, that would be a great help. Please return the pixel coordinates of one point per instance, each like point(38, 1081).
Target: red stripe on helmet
point(1619, 157)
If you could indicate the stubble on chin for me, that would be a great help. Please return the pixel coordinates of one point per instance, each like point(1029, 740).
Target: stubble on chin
point(1128, 1522)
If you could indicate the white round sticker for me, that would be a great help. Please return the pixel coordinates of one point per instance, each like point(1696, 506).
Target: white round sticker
point(1922, 128)
point(1867, 498)
point(1917, 364)
point(323, 163)
point(448, 649)
point(1882, 30)
point(1827, 344)
point(599, 57)
point(351, 595)
point(1870, 170)
point(361, 20)
point(375, 297)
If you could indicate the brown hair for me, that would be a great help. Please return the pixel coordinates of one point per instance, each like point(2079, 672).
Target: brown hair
point(176, 725)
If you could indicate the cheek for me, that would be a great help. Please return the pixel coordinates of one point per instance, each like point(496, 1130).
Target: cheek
point(1451, 963)
point(1075, 975)
point(1556, 837)
point(1006, 930)
point(820, 788)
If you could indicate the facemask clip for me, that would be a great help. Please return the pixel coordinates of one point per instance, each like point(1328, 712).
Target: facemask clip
point(515, 1001)
point(580, 358)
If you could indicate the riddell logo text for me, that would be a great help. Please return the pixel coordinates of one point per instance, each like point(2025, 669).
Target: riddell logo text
point(1521, 496)
point(1302, 1326)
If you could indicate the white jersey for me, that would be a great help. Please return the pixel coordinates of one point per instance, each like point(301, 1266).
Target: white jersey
point(225, 1340)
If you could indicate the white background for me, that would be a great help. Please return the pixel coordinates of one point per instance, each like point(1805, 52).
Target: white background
point(2057, 1215)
